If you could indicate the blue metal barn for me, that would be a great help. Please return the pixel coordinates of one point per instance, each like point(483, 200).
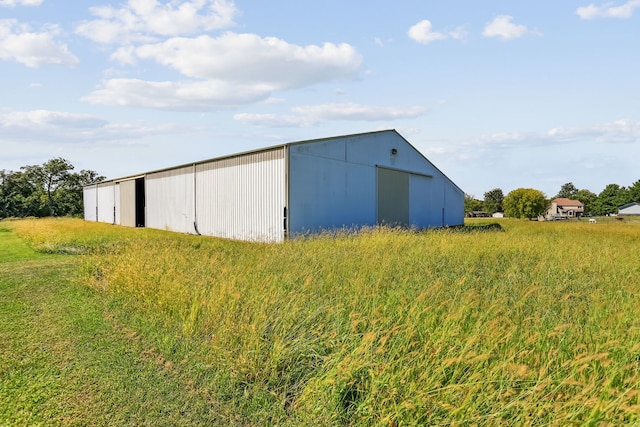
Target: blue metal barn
point(288, 190)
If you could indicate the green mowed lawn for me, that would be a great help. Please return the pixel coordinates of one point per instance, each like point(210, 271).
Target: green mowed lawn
point(66, 358)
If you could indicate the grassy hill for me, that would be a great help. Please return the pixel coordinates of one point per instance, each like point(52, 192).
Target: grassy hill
point(536, 324)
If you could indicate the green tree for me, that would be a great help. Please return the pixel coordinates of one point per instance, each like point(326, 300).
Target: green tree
point(634, 192)
point(525, 203)
point(50, 176)
point(610, 199)
point(4, 207)
point(493, 200)
point(42, 190)
point(19, 197)
point(471, 203)
point(588, 199)
point(69, 196)
point(568, 191)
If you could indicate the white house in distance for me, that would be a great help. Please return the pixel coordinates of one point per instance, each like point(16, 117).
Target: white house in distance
point(630, 209)
point(287, 190)
point(563, 208)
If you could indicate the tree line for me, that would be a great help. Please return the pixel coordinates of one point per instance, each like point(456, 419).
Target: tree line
point(530, 203)
point(50, 189)
point(53, 189)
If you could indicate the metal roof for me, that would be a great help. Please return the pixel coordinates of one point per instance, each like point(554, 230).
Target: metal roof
point(273, 147)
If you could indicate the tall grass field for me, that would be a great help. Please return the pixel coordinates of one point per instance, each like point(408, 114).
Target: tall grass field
point(528, 323)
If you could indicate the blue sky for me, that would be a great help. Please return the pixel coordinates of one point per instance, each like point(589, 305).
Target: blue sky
point(495, 93)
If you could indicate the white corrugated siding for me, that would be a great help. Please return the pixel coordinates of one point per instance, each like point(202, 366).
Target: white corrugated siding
point(106, 202)
point(243, 197)
point(89, 195)
point(170, 200)
point(116, 202)
point(128, 203)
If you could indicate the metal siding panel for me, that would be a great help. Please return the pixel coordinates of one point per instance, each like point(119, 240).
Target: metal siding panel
point(454, 205)
point(335, 149)
point(242, 197)
point(106, 202)
point(128, 203)
point(89, 195)
point(437, 211)
point(169, 200)
point(422, 212)
point(326, 194)
point(116, 201)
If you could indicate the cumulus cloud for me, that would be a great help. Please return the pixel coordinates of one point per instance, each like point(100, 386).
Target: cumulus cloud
point(218, 72)
point(422, 32)
point(33, 49)
point(230, 70)
point(502, 27)
point(248, 58)
point(204, 95)
point(144, 20)
point(314, 114)
point(13, 3)
point(608, 10)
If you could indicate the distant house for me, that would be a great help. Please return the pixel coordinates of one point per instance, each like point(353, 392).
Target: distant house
point(563, 208)
point(629, 209)
point(478, 214)
point(498, 215)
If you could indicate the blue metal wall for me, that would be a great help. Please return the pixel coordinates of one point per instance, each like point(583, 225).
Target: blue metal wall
point(332, 183)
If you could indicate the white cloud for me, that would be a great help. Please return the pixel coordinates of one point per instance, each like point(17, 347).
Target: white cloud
point(351, 111)
point(588, 12)
point(607, 10)
point(619, 131)
point(502, 143)
point(124, 55)
point(502, 27)
point(422, 32)
point(204, 95)
point(269, 62)
point(13, 3)
point(49, 119)
point(230, 70)
point(314, 114)
point(274, 120)
point(460, 33)
point(33, 49)
point(65, 127)
point(143, 20)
